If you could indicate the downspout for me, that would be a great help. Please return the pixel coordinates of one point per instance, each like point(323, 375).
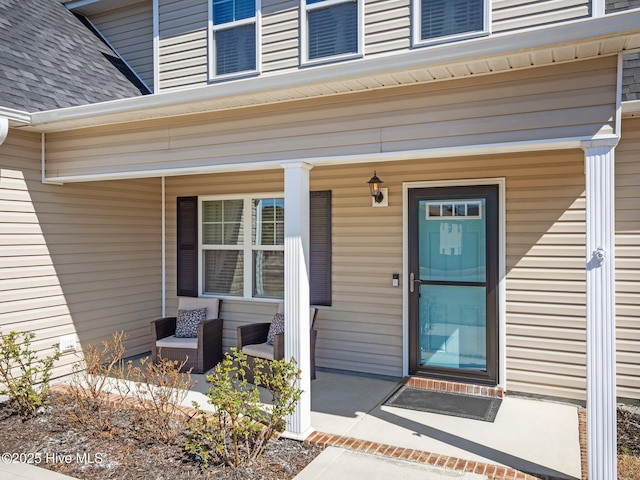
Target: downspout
point(43, 158)
point(164, 252)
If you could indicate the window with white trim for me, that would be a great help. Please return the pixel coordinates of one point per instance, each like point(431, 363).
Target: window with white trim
point(331, 29)
point(234, 27)
point(234, 246)
point(448, 20)
point(242, 247)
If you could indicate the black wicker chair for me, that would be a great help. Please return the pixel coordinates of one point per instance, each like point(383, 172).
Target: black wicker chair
point(252, 340)
point(202, 353)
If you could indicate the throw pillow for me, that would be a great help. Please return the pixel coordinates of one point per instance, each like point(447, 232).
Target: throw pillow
point(187, 322)
point(277, 326)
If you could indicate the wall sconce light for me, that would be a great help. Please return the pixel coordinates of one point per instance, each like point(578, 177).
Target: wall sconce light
point(374, 188)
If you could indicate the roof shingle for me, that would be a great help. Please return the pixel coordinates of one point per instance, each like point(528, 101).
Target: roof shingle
point(49, 59)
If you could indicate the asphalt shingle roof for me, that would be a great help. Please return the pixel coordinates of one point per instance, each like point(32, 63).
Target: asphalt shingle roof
point(49, 59)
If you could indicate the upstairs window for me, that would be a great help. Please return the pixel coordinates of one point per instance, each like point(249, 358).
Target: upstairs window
point(445, 20)
point(234, 36)
point(331, 29)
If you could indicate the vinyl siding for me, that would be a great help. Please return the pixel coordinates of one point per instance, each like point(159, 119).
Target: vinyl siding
point(280, 32)
point(130, 31)
point(76, 259)
point(362, 330)
point(571, 100)
point(628, 259)
point(387, 26)
point(182, 43)
point(515, 14)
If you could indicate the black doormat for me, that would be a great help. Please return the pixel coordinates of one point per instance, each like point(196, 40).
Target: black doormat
point(445, 403)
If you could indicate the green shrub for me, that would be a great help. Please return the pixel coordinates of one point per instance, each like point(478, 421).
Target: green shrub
point(240, 427)
point(25, 375)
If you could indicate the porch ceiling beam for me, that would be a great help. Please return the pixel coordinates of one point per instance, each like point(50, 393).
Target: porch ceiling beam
point(392, 156)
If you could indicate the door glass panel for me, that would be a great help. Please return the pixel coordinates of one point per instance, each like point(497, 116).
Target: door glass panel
point(452, 240)
point(452, 327)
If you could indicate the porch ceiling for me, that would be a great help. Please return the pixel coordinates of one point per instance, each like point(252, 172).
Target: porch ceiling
point(567, 42)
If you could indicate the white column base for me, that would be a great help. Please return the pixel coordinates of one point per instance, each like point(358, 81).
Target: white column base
point(298, 436)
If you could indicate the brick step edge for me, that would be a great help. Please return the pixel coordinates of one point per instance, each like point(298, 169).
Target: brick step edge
point(454, 387)
point(493, 472)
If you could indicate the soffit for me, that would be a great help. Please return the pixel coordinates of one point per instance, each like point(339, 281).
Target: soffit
point(494, 54)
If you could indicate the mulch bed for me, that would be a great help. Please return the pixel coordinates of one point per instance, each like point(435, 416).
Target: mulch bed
point(48, 441)
point(628, 442)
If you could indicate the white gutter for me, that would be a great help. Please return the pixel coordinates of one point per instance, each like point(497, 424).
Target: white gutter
point(631, 109)
point(13, 115)
point(4, 129)
point(443, 152)
point(614, 25)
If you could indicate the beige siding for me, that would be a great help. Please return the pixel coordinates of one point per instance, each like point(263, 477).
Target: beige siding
point(362, 330)
point(387, 26)
point(559, 101)
point(515, 14)
point(628, 259)
point(76, 259)
point(130, 31)
point(182, 43)
point(280, 31)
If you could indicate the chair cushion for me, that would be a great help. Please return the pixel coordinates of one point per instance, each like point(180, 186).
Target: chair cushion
point(175, 342)
point(187, 322)
point(277, 326)
point(211, 304)
point(261, 350)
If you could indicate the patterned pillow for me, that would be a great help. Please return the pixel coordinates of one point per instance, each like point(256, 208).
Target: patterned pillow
point(187, 322)
point(277, 326)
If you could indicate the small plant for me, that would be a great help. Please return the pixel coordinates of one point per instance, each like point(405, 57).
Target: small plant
point(240, 427)
point(25, 375)
point(92, 380)
point(158, 390)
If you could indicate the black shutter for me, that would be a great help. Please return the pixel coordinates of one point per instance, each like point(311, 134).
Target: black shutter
point(320, 247)
point(187, 213)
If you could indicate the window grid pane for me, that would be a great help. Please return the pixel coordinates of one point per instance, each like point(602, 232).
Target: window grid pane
point(225, 11)
point(333, 30)
point(268, 274)
point(235, 49)
point(442, 18)
point(268, 221)
point(223, 272)
point(222, 222)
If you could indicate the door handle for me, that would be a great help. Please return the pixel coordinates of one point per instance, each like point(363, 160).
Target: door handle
point(412, 282)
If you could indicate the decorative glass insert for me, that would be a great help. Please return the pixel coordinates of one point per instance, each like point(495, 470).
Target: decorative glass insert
point(462, 208)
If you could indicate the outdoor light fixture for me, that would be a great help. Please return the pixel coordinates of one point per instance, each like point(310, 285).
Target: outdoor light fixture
point(374, 188)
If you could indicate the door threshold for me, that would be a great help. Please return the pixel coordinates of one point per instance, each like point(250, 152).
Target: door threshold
point(454, 387)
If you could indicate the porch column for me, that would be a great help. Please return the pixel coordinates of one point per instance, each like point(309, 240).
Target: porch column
point(601, 325)
point(296, 289)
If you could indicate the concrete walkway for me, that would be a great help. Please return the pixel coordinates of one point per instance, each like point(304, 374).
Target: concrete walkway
point(367, 440)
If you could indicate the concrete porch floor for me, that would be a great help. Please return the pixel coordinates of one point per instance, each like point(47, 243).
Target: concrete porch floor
point(532, 436)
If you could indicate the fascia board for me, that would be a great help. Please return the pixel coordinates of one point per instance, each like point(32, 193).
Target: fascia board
point(614, 25)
